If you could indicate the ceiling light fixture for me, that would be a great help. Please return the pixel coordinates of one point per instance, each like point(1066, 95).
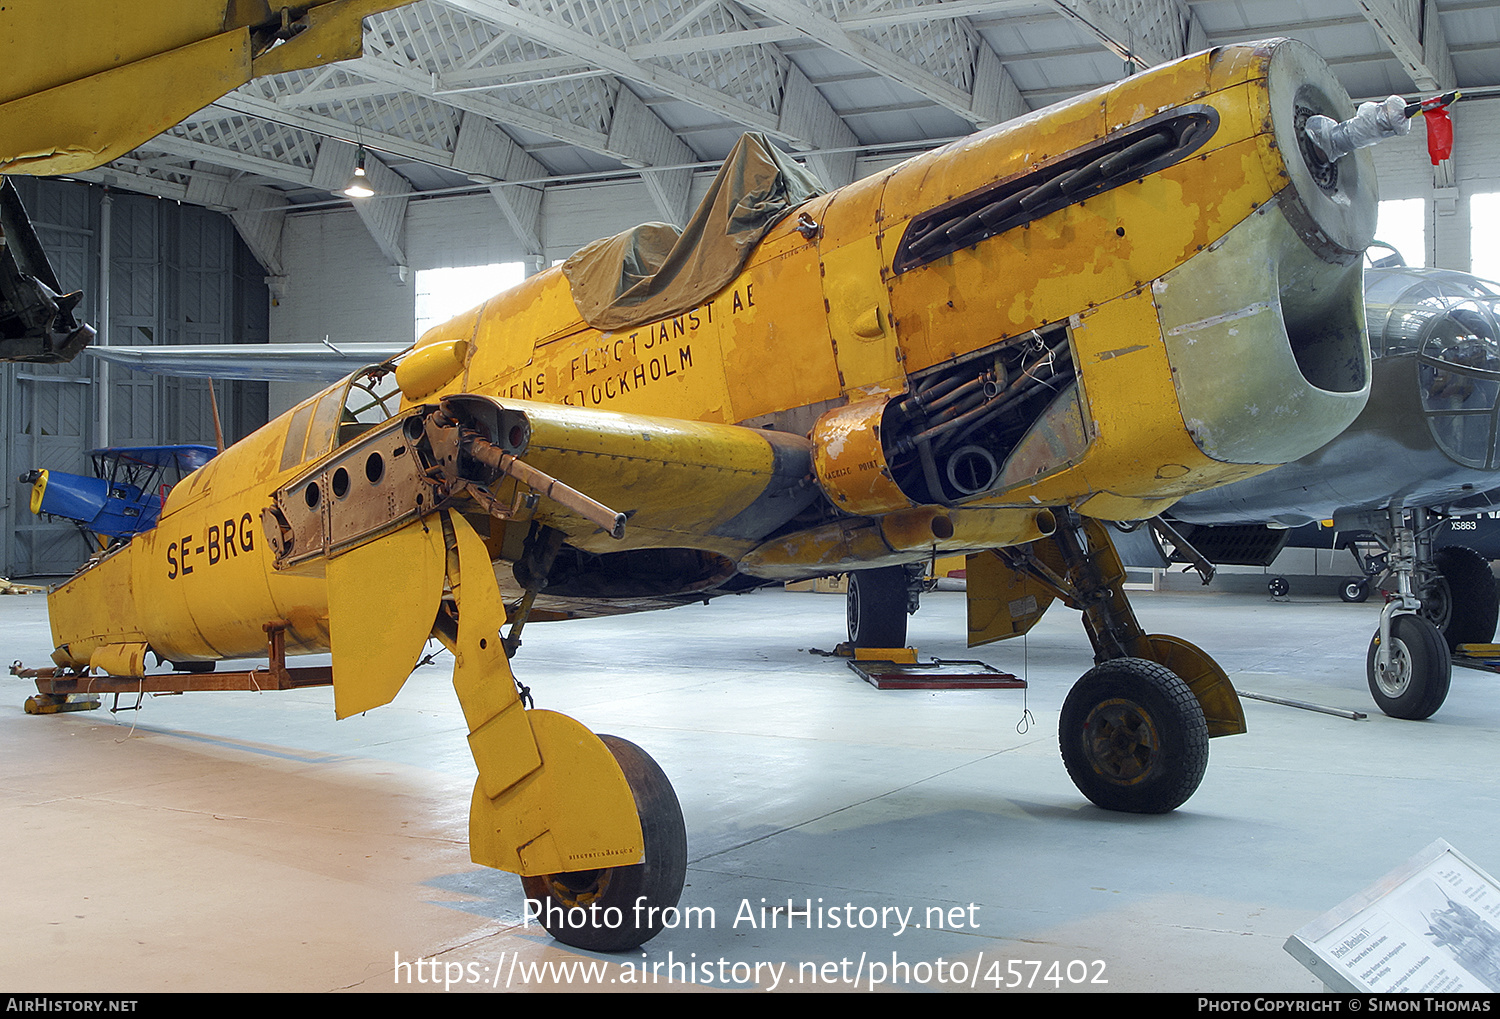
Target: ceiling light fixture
point(359, 184)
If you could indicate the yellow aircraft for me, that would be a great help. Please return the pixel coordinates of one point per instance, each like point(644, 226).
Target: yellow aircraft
point(86, 82)
point(1079, 316)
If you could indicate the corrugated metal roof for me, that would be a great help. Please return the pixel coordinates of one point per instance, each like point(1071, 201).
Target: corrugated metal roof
point(454, 92)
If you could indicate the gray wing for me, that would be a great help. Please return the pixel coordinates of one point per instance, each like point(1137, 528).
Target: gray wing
point(266, 362)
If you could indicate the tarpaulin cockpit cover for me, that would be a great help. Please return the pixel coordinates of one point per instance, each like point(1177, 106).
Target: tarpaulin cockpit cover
point(652, 272)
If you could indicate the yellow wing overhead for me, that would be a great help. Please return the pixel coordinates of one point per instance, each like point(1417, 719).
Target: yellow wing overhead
point(89, 82)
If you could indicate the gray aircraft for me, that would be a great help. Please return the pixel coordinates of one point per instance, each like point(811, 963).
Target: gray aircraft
point(1425, 449)
point(36, 317)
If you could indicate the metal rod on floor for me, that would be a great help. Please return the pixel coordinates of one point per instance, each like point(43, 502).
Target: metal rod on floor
point(1341, 712)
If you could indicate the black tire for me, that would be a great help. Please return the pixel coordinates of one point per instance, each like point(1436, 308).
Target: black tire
point(1355, 589)
point(1474, 597)
point(876, 607)
point(1421, 669)
point(658, 879)
point(1436, 598)
point(1279, 587)
point(197, 668)
point(1133, 737)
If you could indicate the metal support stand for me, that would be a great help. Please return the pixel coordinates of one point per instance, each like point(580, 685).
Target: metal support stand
point(58, 684)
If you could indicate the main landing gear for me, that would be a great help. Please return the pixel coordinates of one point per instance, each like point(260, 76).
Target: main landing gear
point(590, 822)
point(878, 602)
point(1466, 588)
point(1133, 737)
point(580, 908)
point(1443, 599)
point(1134, 730)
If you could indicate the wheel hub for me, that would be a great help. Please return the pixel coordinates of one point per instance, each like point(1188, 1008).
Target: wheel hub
point(1121, 742)
point(1394, 678)
point(1437, 602)
point(579, 887)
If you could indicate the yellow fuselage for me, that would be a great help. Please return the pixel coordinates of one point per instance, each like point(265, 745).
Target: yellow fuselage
point(1182, 293)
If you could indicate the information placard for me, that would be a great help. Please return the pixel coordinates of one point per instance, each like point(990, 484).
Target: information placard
point(1430, 926)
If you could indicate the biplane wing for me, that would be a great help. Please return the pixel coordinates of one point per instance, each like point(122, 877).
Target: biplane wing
point(126, 493)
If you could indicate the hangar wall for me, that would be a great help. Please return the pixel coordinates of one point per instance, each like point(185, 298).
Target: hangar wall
point(1405, 171)
point(177, 274)
point(339, 285)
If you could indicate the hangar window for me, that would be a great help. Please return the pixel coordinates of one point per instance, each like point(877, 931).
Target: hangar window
point(444, 293)
point(1402, 223)
point(1484, 238)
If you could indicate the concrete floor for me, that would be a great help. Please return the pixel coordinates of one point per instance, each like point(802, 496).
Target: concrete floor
point(240, 841)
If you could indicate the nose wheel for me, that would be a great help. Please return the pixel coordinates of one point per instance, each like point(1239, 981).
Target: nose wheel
point(1414, 682)
point(1443, 598)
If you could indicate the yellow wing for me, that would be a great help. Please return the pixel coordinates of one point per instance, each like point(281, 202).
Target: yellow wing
point(87, 86)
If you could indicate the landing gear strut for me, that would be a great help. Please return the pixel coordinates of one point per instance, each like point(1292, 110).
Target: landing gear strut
point(1442, 600)
point(589, 822)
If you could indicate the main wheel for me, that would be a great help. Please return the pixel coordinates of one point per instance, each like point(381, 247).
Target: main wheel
point(1355, 589)
point(1436, 598)
point(1473, 596)
point(876, 607)
point(1279, 587)
point(1133, 737)
point(615, 909)
point(1415, 684)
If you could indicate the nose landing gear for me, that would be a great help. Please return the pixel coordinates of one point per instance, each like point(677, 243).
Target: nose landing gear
point(1411, 680)
point(1443, 599)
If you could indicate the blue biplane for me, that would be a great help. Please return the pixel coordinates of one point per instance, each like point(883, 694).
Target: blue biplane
point(126, 493)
